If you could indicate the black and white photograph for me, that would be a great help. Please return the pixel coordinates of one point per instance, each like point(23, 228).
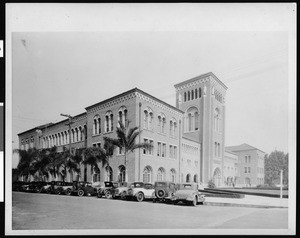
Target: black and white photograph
point(150, 119)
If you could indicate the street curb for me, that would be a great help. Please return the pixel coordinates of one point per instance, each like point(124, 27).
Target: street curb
point(240, 205)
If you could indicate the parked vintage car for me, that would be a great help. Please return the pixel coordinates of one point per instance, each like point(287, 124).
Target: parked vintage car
point(188, 193)
point(140, 191)
point(44, 189)
point(120, 191)
point(164, 191)
point(17, 185)
point(105, 189)
point(53, 186)
point(82, 188)
point(37, 186)
point(63, 188)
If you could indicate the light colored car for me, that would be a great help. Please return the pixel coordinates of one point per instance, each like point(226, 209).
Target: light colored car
point(188, 193)
point(140, 191)
point(120, 191)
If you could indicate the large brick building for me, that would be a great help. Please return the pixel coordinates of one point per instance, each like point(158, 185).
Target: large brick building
point(188, 140)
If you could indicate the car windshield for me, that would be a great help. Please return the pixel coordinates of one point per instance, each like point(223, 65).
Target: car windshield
point(160, 184)
point(137, 185)
point(148, 186)
point(186, 187)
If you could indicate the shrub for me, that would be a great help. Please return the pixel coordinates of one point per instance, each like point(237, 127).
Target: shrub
point(211, 184)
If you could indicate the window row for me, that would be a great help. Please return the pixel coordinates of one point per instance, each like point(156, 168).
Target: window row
point(109, 121)
point(161, 149)
point(108, 174)
point(191, 95)
point(189, 149)
point(247, 170)
point(247, 159)
point(161, 123)
point(26, 141)
point(217, 149)
point(260, 181)
point(63, 138)
point(161, 175)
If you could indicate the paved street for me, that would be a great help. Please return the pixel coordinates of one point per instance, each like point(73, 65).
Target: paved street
point(43, 211)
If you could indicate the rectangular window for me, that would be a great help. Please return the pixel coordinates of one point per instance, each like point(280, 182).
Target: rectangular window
point(158, 148)
point(248, 169)
point(245, 170)
point(170, 151)
point(151, 149)
point(145, 150)
point(99, 144)
point(246, 159)
point(249, 159)
point(175, 152)
point(163, 150)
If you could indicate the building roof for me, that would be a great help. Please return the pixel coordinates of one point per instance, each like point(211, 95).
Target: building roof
point(241, 147)
point(132, 91)
point(200, 77)
point(48, 124)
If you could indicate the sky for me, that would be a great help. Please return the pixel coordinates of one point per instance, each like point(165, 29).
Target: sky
point(64, 72)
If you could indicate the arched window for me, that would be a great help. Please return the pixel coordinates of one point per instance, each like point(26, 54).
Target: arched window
point(199, 92)
point(189, 95)
point(219, 150)
point(173, 175)
point(147, 174)
point(76, 134)
point(72, 135)
point(188, 178)
point(217, 120)
point(84, 132)
point(192, 94)
point(196, 115)
point(159, 123)
point(80, 137)
point(121, 177)
point(96, 175)
point(146, 119)
point(163, 125)
point(195, 178)
point(175, 129)
point(185, 96)
point(196, 93)
point(191, 119)
point(95, 126)
point(109, 121)
point(171, 128)
point(108, 173)
point(63, 140)
point(161, 174)
point(122, 115)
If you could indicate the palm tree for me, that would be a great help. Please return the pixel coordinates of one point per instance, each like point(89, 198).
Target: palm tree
point(94, 155)
point(126, 141)
point(26, 158)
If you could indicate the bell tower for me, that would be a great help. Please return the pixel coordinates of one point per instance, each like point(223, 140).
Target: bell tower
point(203, 100)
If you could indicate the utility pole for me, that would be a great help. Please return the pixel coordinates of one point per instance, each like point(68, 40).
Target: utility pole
point(281, 173)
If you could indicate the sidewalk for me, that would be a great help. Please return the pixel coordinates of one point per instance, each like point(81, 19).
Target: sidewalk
point(248, 201)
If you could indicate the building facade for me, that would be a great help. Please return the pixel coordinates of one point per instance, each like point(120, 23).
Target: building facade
point(188, 140)
point(250, 165)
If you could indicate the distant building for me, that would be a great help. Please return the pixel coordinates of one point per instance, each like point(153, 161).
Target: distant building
point(231, 172)
point(250, 164)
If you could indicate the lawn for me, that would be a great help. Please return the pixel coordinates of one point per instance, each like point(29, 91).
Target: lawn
point(256, 191)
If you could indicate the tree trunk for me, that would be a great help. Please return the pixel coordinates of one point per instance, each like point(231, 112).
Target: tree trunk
point(126, 170)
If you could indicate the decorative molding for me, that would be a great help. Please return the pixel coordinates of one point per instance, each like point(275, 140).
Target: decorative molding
point(192, 84)
point(157, 104)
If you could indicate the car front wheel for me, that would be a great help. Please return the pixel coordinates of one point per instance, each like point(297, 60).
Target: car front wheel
point(140, 197)
point(80, 193)
point(108, 195)
point(68, 192)
point(99, 195)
